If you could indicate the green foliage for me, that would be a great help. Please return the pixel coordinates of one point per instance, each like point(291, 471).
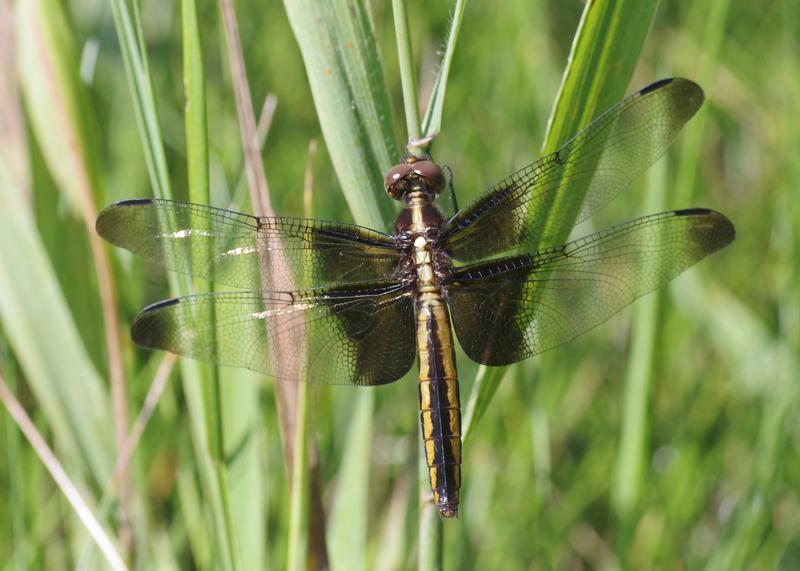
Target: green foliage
point(665, 439)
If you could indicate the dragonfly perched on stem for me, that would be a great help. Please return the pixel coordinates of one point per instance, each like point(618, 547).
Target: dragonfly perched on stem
point(494, 273)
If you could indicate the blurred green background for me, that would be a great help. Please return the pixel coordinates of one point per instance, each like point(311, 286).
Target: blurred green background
point(667, 438)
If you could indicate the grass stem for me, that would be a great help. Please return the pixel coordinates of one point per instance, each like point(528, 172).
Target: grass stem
point(407, 76)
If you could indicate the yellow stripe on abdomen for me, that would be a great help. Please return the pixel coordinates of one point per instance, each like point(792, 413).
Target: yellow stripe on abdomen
point(440, 407)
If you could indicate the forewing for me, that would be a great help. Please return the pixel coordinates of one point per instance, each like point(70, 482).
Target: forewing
point(360, 336)
point(527, 210)
point(247, 251)
point(510, 309)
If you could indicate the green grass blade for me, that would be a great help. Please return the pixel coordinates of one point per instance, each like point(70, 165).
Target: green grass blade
point(144, 107)
point(298, 519)
point(487, 380)
point(347, 531)
point(195, 89)
point(431, 540)
point(432, 123)
point(713, 35)
point(128, 26)
point(17, 474)
point(192, 506)
point(243, 424)
point(431, 526)
point(55, 98)
point(632, 456)
point(299, 527)
point(604, 54)
point(227, 516)
point(707, 474)
point(80, 508)
point(57, 110)
point(343, 67)
point(760, 363)
point(46, 342)
point(390, 550)
point(64, 126)
point(407, 74)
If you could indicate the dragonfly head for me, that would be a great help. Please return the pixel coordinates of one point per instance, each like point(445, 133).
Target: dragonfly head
point(414, 175)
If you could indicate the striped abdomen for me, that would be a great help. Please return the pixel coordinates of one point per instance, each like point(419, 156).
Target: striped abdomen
point(440, 414)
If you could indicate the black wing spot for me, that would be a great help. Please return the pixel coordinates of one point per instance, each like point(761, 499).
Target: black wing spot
point(161, 304)
point(134, 202)
point(656, 85)
point(693, 212)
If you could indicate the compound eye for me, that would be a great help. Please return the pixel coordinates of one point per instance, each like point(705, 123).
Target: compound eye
point(394, 175)
point(430, 171)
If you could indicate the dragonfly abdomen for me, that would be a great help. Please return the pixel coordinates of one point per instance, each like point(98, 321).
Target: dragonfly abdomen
point(440, 414)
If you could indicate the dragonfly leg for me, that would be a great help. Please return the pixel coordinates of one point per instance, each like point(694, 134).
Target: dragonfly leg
point(450, 188)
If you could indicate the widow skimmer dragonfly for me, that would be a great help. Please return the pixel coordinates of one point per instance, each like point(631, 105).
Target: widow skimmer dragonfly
point(334, 303)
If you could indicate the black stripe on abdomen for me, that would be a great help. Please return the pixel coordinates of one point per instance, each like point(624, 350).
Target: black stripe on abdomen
point(440, 414)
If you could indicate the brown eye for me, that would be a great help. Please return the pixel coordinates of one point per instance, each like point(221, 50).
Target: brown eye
point(394, 174)
point(432, 172)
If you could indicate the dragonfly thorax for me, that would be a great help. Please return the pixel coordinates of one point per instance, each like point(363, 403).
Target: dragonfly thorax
point(419, 216)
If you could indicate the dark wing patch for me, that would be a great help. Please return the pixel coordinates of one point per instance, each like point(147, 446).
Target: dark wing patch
point(245, 251)
point(359, 336)
point(527, 210)
point(510, 309)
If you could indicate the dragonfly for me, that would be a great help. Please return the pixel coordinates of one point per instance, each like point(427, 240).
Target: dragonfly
point(331, 303)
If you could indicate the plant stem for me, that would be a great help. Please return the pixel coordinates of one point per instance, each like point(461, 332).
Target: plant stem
point(431, 528)
point(407, 78)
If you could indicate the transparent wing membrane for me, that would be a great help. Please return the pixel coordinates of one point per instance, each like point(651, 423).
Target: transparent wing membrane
point(321, 336)
point(246, 251)
point(527, 209)
point(510, 309)
point(332, 303)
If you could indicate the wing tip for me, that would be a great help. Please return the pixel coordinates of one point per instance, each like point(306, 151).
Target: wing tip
point(106, 222)
point(722, 232)
point(142, 331)
point(690, 91)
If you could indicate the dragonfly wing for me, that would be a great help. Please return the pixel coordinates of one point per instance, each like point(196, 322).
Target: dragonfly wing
point(527, 209)
point(360, 336)
point(247, 251)
point(510, 309)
